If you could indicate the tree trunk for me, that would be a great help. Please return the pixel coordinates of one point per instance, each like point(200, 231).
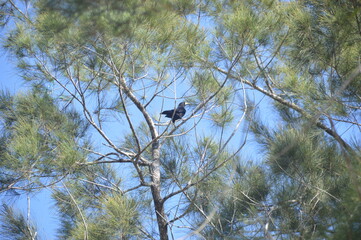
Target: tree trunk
point(156, 189)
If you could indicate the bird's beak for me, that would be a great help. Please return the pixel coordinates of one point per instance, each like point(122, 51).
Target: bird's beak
point(187, 103)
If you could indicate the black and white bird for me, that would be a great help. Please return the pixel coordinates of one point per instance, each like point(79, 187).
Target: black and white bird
point(177, 113)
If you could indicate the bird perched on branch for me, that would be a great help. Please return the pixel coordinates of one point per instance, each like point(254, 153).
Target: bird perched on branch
point(177, 113)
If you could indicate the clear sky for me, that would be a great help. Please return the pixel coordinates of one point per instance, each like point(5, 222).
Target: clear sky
point(9, 78)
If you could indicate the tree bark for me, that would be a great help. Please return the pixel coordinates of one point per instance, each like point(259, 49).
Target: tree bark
point(154, 167)
point(156, 189)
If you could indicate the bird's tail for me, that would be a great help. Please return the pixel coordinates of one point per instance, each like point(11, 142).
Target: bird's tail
point(167, 112)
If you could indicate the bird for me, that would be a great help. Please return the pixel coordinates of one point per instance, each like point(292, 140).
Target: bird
point(177, 113)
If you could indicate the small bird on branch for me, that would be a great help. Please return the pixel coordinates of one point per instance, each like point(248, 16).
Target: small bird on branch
point(177, 113)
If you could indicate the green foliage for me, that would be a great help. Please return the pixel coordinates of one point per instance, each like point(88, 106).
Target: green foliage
point(118, 219)
point(324, 36)
point(349, 226)
point(234, 207)
point(175, 159)
point(308, 171)
point(206, 84)
point(287, 155)
point(222, 117)
point(20, 41)
point(117, 59)
point(38, 138)
point(143, 139)
point(95, 197)
point(6, 11)
point(14, 226)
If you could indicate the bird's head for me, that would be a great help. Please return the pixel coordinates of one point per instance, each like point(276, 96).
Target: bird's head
point(183, 104)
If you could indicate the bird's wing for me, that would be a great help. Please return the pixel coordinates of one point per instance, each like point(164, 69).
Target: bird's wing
point(181, 112)
point(168, 113)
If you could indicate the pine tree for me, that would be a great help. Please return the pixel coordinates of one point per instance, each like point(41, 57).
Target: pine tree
point(263, 152)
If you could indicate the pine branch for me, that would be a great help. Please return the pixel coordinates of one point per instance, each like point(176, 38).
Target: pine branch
point(294, 106)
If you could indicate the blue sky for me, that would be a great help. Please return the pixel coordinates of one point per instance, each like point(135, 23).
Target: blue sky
point(9, 78)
